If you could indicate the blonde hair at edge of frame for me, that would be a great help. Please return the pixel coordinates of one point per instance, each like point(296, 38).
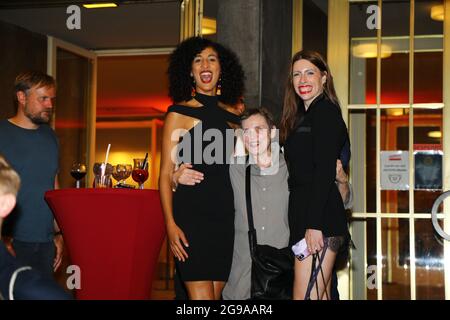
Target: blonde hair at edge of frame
point(9, 179)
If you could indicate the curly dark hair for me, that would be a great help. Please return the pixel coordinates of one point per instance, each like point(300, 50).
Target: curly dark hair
point(180, 65)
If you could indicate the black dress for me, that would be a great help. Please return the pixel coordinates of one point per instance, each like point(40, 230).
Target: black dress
point(311, 152)
point(205, 212)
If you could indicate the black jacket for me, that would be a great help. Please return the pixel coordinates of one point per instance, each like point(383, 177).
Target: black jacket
point(29, 284)
point(311, 151)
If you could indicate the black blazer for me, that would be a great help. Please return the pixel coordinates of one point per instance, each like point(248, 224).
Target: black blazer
point(311, 152)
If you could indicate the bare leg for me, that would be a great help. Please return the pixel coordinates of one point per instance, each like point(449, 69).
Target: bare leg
point(327, 296)
point(303, 273)
point(200, 290)
point(218, 287)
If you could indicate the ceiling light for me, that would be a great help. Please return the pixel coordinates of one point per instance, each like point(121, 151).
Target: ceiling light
point(437, 12)
point(99, 5)
point(394, 112)
point(209, 26)
point(369, 50)
point(435, 134)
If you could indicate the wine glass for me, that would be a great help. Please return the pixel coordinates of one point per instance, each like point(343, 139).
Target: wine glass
point(117, 172)
point(121, 172)
point(102, 179)
point(140, 172)
point(78, 172)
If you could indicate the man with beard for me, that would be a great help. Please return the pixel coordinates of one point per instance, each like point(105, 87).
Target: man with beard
point(31, 147)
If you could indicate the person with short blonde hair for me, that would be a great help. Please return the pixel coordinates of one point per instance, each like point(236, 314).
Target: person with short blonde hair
point(9, 186)
point(9, 179)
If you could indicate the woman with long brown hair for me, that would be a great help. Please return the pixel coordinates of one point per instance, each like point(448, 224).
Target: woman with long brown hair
point(314, 134)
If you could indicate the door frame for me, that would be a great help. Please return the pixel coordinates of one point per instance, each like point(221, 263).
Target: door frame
point(52, 48)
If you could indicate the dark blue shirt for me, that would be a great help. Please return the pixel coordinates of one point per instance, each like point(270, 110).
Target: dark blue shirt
point(33, 153)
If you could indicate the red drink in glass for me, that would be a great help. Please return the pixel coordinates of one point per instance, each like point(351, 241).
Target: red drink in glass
point(140, 172)
point(140, 175)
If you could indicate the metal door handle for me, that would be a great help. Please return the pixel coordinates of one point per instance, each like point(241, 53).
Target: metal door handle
point(434, 219)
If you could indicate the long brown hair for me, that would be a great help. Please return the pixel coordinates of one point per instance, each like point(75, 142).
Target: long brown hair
point(292, 101)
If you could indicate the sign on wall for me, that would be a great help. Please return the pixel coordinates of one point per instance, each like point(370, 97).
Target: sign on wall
point(394, 170)
point(428, 170)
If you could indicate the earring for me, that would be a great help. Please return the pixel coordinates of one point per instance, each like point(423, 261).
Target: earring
point(219, 87)
point(193, 91)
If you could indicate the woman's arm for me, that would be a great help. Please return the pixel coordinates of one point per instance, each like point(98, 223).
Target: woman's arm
point(175, 235)
point(186, 175)
point(343, 185)
point(348, 203)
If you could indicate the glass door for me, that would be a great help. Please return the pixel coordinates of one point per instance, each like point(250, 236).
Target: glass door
point(396, 122)
point(74, 69)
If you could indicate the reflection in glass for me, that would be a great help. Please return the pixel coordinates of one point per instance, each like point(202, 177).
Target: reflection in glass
point(429, 261)
point(394, 201)
point(428, 53)
point(427, 127)
point(361, 81)
point(428, 48)
point(395, 68)
point(395, 129)
point(396, 261)
point(363, 164)
point(427, 136)
point(395, 137)
point(371, 247)
point(428, 77)
point(71, 116)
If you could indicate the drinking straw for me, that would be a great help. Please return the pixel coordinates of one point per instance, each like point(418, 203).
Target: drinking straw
point(106, 159)
point(145, 161)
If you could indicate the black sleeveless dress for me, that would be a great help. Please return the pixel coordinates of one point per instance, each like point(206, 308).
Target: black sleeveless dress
point(205, 212)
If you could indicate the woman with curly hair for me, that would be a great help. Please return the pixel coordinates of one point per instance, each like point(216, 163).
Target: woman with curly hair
point(204, 78)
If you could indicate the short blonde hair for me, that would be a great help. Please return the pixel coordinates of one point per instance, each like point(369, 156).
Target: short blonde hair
point(9, 179)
